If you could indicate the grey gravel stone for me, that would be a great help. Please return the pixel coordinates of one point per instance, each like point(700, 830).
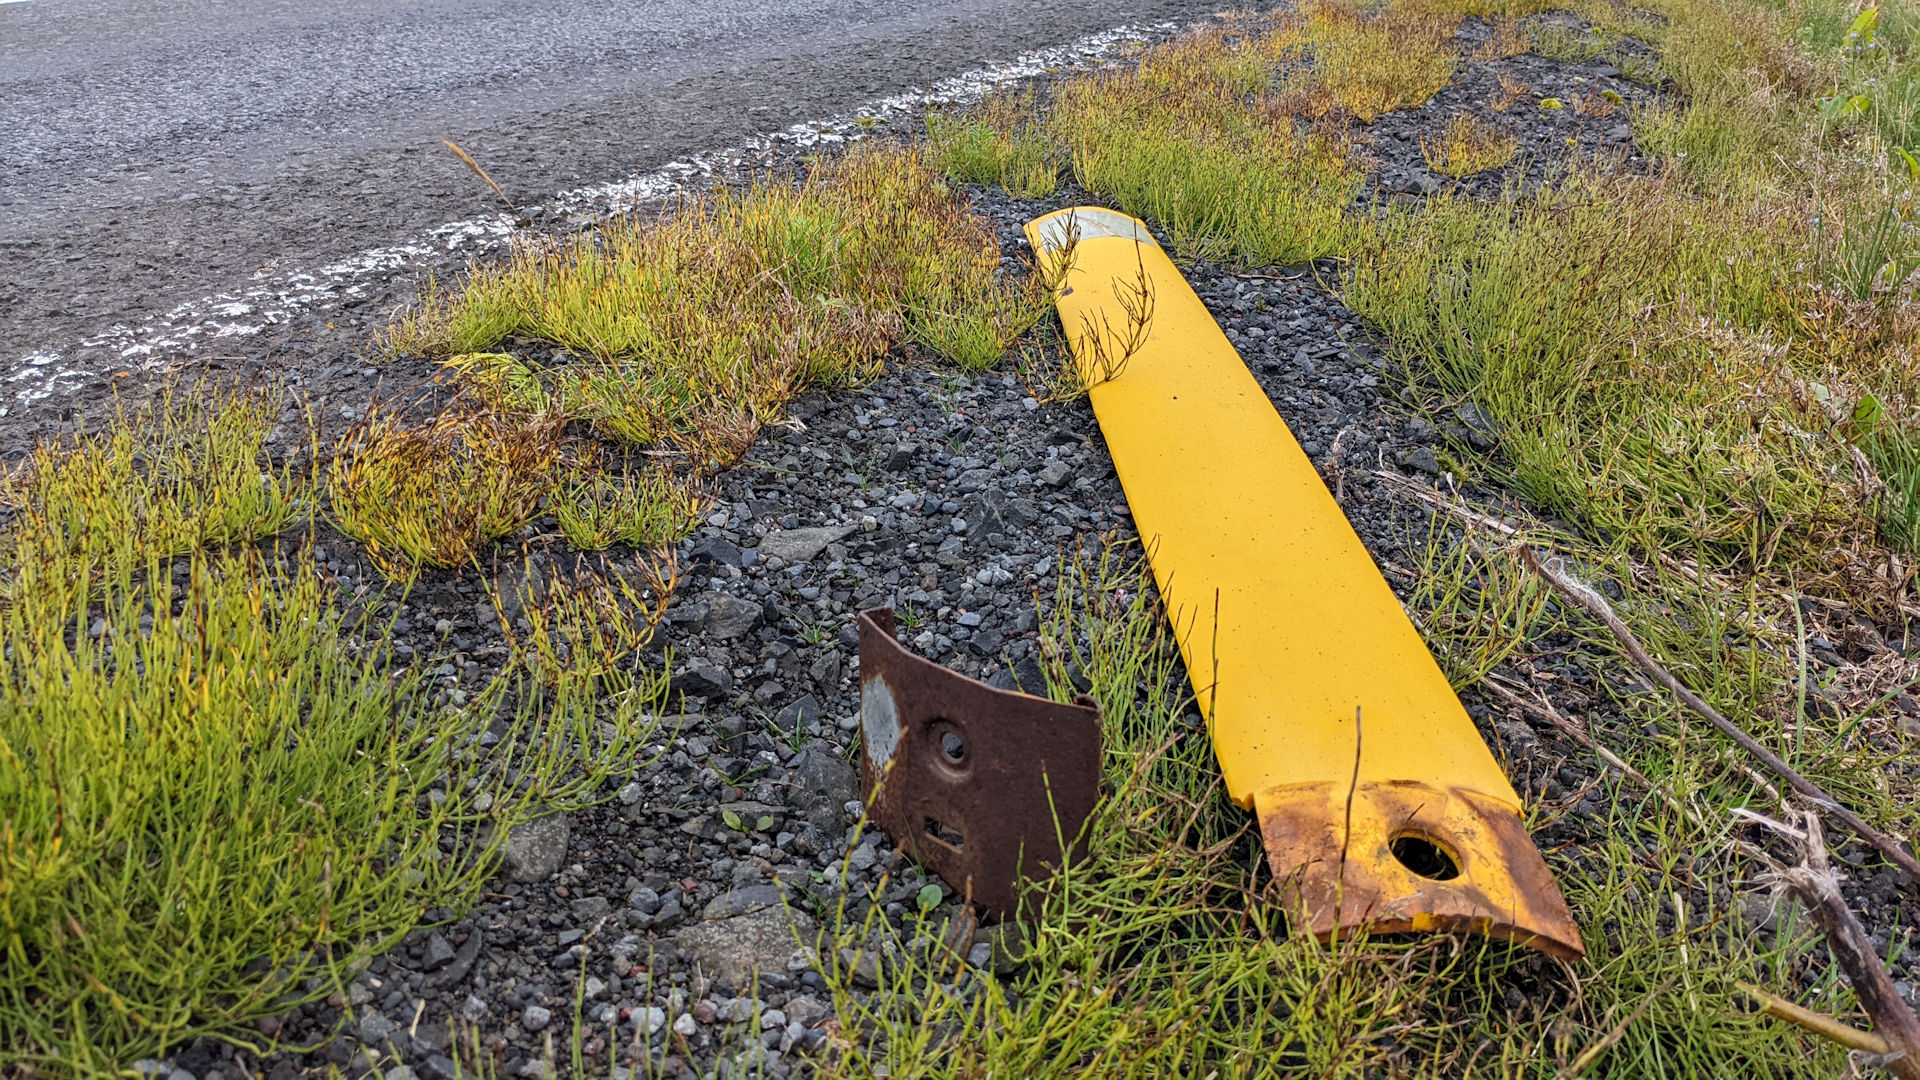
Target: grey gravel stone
point(743, 901)
point(805, 1010)
point(796, 546)
point(439, 953)
point(374, 1028)
point(1421, 458)
point(536, 1018)
point(729, 616)
point(649, 1019)
point(590, 909)
point(733, 949)
point(702, 679)
point(537, 848)
point(715, 549)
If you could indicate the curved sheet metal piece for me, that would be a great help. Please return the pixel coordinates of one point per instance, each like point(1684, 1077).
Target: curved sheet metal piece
point(978, 784)
point(1314, 680)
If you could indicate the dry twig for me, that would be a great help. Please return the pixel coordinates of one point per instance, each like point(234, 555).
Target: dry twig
point(479, 172)
point(1545, 711)
point(1597, 606)
point(1812, 879)
point(1819, 1023)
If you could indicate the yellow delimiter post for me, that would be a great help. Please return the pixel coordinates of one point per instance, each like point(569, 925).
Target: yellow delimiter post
point(1311, 661)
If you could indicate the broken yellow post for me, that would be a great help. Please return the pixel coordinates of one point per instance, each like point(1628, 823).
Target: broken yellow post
point(1379, 803)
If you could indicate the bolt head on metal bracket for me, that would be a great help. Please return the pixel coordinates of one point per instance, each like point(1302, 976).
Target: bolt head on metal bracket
point(982, 786)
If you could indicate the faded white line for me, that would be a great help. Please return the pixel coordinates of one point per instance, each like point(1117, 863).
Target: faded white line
point(163, 344)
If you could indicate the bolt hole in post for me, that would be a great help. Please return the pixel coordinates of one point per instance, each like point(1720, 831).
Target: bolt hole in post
point(945, 834)
point(953, 747)
point(1426, 858)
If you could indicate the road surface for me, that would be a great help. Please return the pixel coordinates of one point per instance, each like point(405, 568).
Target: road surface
point(153, 152)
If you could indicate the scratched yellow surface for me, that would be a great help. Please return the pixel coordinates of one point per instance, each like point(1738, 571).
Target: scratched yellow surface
point(1236, 519)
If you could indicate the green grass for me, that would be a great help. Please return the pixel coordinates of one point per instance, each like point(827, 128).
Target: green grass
point(650, 508)
point(1162, 953)
point(1174, 142)
point(214, 794)
point(1467, 147)
point(996, 142)
point(172, 476)
point(695, 330)
point(1368, 60)
point(1583, 321)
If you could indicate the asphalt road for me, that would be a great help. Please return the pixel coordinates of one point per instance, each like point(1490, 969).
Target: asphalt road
point(154, 151)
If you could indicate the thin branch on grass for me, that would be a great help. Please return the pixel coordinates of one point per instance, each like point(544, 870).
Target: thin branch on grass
point(1812, 879)
point(1434, 499)
point(1596, 605)
point(1346, 831)
point(1600, 1046)
point(1816, 1022)
point(1547, 712)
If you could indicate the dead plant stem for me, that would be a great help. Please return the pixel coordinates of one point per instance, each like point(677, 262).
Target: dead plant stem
point(1596, 605)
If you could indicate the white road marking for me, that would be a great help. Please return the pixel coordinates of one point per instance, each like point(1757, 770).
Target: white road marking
point(158, 346)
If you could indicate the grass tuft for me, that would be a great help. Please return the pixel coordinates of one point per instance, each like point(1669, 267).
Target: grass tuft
point(648, 509)
point(1174, 143)
point(692, 332)
point(215, 798)
point(436, 494)
point(1370, 61)
point(168, 478)
point(997, 142)
point(1467, 147)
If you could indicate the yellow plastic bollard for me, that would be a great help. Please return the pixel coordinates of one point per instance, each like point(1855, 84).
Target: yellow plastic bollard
point(1379, 803)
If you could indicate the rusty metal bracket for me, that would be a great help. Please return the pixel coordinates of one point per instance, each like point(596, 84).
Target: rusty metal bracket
point(978, 784)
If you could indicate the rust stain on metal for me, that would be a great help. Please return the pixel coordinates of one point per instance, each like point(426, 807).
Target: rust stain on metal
point(1407, 862)
point(978, 784)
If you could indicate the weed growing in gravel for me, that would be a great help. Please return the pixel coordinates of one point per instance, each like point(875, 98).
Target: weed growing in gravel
point(996, 142)
point(648, 509)
point(1161, 954)
point(435, 494)
point(1557, 41)
point(214, 796)
point(1372, 61)
point(168, 478)
point(1175, 141)
point(1477, 607)
point(1506, 39)
point(1467, 147)
point(695, 330)
point(587, 626)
